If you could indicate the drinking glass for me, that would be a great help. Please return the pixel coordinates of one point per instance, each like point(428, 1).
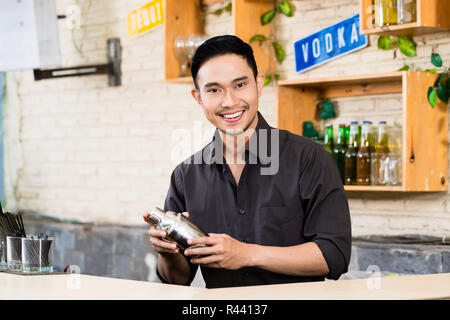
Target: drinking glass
point(37, 255)
point(14, 253)
point(378, 168)
point(193, 42)
point(181, 52)
point(393, 172)
point(3, 261)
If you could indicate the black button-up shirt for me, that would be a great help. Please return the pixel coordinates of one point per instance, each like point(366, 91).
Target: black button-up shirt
point(293, 196)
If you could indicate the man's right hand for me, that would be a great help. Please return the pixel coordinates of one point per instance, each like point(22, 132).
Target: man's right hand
point(159, 244)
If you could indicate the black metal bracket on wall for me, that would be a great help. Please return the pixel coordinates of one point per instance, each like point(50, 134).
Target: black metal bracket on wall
point(112, 68)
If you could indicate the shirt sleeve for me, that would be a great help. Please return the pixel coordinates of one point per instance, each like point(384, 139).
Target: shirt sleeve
point(327, 215)
point(175, 202)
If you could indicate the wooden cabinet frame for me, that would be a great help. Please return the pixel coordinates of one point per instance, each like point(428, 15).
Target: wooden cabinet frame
point(432, 16)
point(424, 132)
point(185, 18)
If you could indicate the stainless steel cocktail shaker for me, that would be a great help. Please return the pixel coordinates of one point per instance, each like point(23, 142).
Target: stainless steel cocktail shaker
point(179, 228)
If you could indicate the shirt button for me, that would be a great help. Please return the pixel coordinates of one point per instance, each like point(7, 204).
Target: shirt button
point(242, 211)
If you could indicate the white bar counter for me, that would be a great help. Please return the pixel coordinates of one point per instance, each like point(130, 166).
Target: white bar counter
point(67, 286)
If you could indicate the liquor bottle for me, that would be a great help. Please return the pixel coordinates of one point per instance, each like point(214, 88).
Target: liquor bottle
point(328, 143)
point(380, 156)
point(339, 151)
point(363, 157)
point(350, 155)
point(347, 134)
point(385, 13)
point(391, 12)
point(359, 135)
point(371, 137)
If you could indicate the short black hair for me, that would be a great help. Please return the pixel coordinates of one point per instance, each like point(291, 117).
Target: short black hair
point(218, 46)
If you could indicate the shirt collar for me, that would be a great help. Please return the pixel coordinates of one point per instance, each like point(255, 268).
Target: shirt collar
point(261, 127)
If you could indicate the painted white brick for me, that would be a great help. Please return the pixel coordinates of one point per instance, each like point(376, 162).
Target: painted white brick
point(79, 149)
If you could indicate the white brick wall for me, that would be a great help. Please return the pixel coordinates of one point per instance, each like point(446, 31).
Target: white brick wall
point(76, 148)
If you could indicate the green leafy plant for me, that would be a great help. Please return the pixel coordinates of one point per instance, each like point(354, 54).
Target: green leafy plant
point(406, 45)
point(441, 87)
point(219, 11)
point(326, 109)
point(284, 7)
point(309, 131)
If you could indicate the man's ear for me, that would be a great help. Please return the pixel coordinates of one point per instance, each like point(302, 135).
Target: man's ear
point(196, 94)
point(260, 82)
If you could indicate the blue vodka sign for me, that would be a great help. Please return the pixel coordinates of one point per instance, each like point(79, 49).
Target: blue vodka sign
point(328, 44)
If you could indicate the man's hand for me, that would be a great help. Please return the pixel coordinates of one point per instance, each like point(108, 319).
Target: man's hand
point(172, 266)
point(220, 251)
point(160, 245)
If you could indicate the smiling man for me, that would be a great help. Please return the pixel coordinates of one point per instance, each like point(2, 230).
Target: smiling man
point(287, 224)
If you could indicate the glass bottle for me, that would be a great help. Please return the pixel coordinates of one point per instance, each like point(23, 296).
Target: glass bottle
point(350, 155)
point(391, 12)
point(385, 13)
point(328, 143)
point(406, 11)
point(371, 137)
point(347, 134)
point(380, 155)
point(339, 151)
point(363, 157)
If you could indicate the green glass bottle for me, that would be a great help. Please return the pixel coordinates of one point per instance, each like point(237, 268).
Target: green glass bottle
point(339, 150)
point(347, 134)
point(350, 155)
point(359, 135)
point(328, 143)
point(363, 157)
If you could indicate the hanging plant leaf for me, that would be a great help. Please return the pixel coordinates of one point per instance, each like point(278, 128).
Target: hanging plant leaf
point(309, 131)
point(228, 7)
point(432, 96)
point(407, 47)
point(436, 59)
point(279, 52)
point(286, 8)
point(267, 80)
point(276, 77)
point(266, 17)
point(439, 79)
point(384, 42)
point(442, 93)
point(258, 37)
point(404, 68)
point(430, 70)
point(327, 110)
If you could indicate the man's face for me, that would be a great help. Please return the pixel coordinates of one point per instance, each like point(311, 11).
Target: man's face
point(228, 93)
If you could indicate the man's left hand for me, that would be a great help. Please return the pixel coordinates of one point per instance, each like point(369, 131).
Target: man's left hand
point(220, 251)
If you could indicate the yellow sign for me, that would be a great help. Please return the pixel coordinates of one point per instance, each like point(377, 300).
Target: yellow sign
point(145, 18)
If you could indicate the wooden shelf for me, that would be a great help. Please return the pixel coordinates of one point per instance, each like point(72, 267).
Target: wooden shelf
point(424, 132)
point(374, 188)
point(180, 80)
point(186, 18)
point(432, 16)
